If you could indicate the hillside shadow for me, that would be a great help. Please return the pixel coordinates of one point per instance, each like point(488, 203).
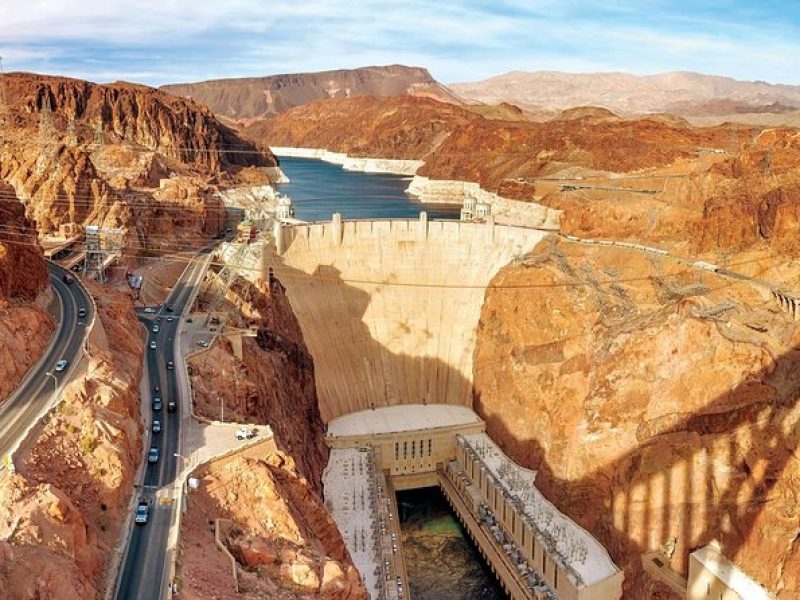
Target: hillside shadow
point(707, 475)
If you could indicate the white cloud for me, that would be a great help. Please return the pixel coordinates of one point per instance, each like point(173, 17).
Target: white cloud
point(167, 40)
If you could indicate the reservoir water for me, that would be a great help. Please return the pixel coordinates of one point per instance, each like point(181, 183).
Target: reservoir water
point(319, 189)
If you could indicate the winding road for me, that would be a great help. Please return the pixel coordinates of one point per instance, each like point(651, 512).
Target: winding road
point(25, 405)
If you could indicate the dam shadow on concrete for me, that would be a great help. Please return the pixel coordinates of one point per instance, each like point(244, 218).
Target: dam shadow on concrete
point(639, 501)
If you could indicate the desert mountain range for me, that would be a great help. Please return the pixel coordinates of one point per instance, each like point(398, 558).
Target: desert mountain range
point(265, 96)
point(681, 92)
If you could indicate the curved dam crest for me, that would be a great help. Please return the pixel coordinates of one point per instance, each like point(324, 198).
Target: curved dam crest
point(389, 308)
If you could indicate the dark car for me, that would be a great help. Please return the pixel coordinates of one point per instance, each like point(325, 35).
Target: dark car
point(169, 308)
point(67, 279)
point(76, 268)
point(157, 389)
point(171, 406)
point(170, 365)
point(81, 312)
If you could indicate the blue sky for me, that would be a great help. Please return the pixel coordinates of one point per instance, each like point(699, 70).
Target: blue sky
point(162, 41)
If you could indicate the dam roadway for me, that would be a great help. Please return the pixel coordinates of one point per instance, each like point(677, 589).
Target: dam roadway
point(146, 563)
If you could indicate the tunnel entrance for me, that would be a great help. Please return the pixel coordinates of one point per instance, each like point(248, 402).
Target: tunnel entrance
point(441, 561)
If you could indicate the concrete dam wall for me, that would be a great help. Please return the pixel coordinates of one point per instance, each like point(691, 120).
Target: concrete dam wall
point(389, 309)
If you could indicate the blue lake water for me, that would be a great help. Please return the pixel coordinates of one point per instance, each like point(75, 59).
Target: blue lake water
point(319, 189)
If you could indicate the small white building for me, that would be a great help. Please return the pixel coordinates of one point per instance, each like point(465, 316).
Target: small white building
point(283, 208)
point(714, 577)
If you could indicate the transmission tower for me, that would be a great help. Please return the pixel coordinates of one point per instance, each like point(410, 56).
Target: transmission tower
point(46, 133)
point(98, 132)
point(72, 136)
point(3, 105)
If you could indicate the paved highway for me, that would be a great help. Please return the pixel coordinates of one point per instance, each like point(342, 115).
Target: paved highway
point(26, 403)
point(145, 565)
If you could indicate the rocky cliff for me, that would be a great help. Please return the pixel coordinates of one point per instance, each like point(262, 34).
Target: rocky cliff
point(25, 327)
point(284, 541)
point(83, 153)
point(247, 98)
point(61, 514)
point(657, 404)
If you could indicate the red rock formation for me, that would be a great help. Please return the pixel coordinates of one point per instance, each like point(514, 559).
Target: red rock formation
point(134, 114)
point(655, 402)
point(25, 327)
point(61, 515)
point(273, 384)
point(284, 541)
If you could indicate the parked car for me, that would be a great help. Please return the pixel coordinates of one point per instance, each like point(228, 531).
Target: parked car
point(142, 512)
point(76, 268)
point(149, 310)
point(245, 433)
point(152, 456)
point(156, 426)
point(203, 343)
point(61, 365)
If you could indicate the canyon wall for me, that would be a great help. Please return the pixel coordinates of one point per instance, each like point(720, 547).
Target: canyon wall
point(25, 326)
point(61, 514)
point(123, 155)
point(284, 542)
point(388, 309)
point(658, 405)
point(245, 98)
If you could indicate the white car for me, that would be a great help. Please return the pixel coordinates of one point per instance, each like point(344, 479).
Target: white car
point(149, 309)
point(61, 365)
point(155, 328)
point(203, 343)
point(153, 345)
point(245, 433)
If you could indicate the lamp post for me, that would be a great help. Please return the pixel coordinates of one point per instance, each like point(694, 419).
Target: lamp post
point(55, 380)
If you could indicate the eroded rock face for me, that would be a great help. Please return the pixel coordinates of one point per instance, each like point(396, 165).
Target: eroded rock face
point(274, 381)
point(63, 511)
point(25, 326)
point(273, 523)
point(655, 402)
point(121, 155)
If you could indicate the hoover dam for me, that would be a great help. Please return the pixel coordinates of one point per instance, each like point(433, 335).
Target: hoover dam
point(389, 308)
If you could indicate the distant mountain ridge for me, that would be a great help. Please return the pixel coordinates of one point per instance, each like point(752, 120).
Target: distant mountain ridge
point(254, 97)
point(680, 92)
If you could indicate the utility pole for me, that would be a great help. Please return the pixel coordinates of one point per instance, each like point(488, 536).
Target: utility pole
point(46, 132)
point(3, 106)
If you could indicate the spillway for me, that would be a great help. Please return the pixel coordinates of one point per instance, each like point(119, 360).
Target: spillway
point(389, 308)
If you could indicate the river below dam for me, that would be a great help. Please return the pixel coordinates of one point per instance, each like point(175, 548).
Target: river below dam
point(318, 189)
point(441, 562)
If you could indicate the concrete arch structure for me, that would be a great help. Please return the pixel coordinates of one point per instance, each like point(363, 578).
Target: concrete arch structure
point(389, 308)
